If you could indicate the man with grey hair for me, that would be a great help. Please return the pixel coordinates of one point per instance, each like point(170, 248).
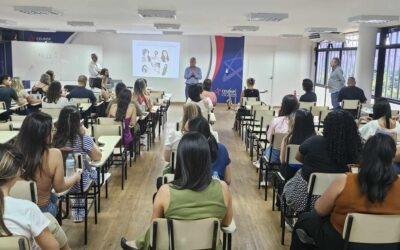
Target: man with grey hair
point(81, 91)
point(192, 75)
point(336, 81)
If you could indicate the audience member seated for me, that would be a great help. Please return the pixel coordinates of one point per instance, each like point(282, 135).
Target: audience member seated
point(118, 88)
point(70, 134)
point(23, 217)
point(23, 96)
point(301, 127)
point(309, 95)
point(220, 161)
point(7, 93)
point(250, 91)
point(339, 146)
point(139, 95)
point(352, 92)
point(54, 98)
point(193, 195)
point(374, 190)
point(208, 93)
point(124, 111)
point(51, 74)
point(105, 76)
point(204, 103)
point(100, 89)
point(42, 86)
point(81, 91)
point(43, 164)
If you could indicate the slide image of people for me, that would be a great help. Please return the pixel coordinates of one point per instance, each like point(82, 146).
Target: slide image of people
point(146, 56)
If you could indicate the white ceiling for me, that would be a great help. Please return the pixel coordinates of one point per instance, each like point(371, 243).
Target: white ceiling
point(201, 17)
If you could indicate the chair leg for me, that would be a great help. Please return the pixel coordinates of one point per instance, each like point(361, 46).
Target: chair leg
point(95, 204)
point(98, 197)
point(86, 227)
point(224, 242)
point(122, 176)
point(107, 189)
point(229, 241)
point(266, 186)
point(283, 224)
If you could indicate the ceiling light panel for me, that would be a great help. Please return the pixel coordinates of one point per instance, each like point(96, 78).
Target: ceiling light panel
point(38, 10)
point(245, 28)
point(167, 26)
point(80, 23)
point(147, 13)
point(373, 19)
point(168, 32)
point(267, 17)
point(320, 30)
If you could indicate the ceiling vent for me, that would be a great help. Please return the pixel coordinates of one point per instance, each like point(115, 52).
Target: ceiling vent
point(320, 30)
point(290, 36)
point(170, 14)
point(167, 26)
point(327, 37)
point(38, 10)
point(80, 23)
point(267, 17)
point(245, 28)
point(168, 32)
point(373, 19)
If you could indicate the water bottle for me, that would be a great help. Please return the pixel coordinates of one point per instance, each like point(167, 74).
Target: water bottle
point(215, 175)
point(69, 165)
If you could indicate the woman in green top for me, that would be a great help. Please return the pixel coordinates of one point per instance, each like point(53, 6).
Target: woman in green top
point(193, 195)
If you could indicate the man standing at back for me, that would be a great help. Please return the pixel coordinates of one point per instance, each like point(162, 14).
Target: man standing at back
point(192, 75)
point(336, 81)
point(94, 66)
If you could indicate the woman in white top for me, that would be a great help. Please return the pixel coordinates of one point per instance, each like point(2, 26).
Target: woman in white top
point(21, 217)
point(382, 115)
point(54, 98)
point(204, 103)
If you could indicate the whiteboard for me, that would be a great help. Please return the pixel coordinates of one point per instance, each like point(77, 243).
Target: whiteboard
point(31, 59)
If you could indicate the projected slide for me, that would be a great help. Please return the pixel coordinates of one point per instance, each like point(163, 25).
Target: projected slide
point(155, 59)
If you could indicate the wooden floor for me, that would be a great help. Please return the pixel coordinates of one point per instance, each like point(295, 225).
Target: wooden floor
point(128, 212)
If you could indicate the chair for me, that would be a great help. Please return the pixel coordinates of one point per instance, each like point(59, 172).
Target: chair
point(307, 105)
point(14, 242)
point(17, 118)
point(25, 190)
point(316, 110)
point(322, 116)
point(365, 230)
point(395, 113)
point(107, 121)
point(6, 126)
point(78, 101)
point(54, 113)
point(351, 105)
point(245, 99)
point(257, 128)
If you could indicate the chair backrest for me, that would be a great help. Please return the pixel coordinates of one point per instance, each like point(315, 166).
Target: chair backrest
point(319, 182)
point(371, 229)
point(80, 100)
point(6, 126)
point(350, 104)
point(54, 113)
point(395, 113)
point(276, 140)
point(316, 110)
point(323, 114)
point(306, 105)
point(25, 190)
point(3, 105)
point(245, 99)
point(291, 151)
point(99, 130)
point(263, 113)
point(185, 234)
point(18, 118)
point(157, 95)
point(107, 121)
point(15, 242)
point(252, 103)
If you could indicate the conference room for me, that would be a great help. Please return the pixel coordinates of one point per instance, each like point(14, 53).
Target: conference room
point(200, 125)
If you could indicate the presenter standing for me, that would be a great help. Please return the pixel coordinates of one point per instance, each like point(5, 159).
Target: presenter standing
point(336, 81)
point(192, 75)
point(94, 67)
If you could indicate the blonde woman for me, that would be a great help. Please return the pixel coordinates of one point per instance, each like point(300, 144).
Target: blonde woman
point(22, 94)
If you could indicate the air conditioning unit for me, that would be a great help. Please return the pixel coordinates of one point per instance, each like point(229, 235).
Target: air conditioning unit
point(327, 37)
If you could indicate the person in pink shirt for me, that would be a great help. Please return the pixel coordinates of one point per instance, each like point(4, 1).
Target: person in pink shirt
point(208, 93)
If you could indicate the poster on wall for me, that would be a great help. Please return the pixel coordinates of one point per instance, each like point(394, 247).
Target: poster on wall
point(228, 71)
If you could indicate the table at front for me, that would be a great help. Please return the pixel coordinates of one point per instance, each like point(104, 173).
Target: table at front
point(18, 124)
point(6, 136)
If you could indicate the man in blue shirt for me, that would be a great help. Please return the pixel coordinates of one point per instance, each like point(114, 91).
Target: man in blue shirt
point(192, 75)
point(81, 91)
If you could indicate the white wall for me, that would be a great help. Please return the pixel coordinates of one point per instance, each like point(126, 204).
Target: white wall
point(292, 59)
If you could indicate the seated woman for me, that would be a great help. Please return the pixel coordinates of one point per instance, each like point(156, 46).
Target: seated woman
point(309, 96)
point(339, 146)
point(301, 127)
point(193, 195)
point(220, 161)
point(43, 164)
point(204, 103)
point(22, 217)
point(208, 93)
point(139, 95)
point(42, 86)
point(101, 88)
point(54, 98)
point(105, 77)
point(374, 190)
point(125, 112)
point(22, 94)
point(70, 134)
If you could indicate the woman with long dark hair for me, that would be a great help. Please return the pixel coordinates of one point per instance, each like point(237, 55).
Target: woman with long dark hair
point(219, 154)
point(193, 195)
point(339, 146)
point(207, 92)
point(374, 190)
point(43, 164)
point(139, 95)
point(301, 127)
point(54, 98)
point(71, 134)
point(204, 103)
point(124, 111)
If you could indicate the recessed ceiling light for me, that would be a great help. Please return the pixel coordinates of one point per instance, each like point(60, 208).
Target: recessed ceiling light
point(290, 36)
point(140, 32)
point(373, 19)
point(107, 31)
point(38, 10)
point(320, 30)
point(245, 28)
point(146, 13)
point(7, 22)
point(169, 32)
point(80, 23)
point(166, 26)
point(267, 17)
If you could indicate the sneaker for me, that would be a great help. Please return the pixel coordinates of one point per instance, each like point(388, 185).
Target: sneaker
point(262, 184)
point(288, 227)
point(256, 164)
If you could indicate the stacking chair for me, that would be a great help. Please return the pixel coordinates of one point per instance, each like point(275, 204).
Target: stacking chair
point(395, 113)
point(371, 230)
point(6, 126)
point(245, 120)
point(322, 116)
point(245, 99)
point(14, 242)
point(267, 164)
point(54, 113)
point(25, 190)
point(17, 118)
point(78, 101)
point(257, 128)
point(307, 105)
point(352, 105)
